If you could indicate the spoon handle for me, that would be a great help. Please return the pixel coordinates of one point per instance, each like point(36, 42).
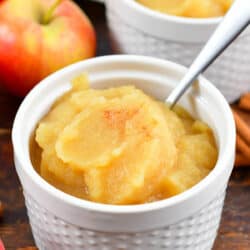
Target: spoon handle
point(234, 22)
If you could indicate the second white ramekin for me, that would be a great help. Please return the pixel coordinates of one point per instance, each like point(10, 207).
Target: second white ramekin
point(188, 221)
point(138, 30)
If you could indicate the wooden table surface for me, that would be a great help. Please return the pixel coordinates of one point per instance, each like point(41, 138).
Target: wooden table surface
point(234, 233)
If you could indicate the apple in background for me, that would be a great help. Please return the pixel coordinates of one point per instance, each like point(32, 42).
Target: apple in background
point(1, 245)
point(38, 37)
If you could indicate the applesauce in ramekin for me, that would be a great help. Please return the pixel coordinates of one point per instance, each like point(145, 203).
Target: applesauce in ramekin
point(189, 8)
point(120, 146)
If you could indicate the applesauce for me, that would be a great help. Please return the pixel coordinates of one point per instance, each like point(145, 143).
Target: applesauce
point(120, 146)
point(189, 8)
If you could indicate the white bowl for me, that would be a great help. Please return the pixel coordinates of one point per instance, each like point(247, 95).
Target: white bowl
point(136, 29)
point(186, 221)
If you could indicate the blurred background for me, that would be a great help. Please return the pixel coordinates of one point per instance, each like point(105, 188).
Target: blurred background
point(14, 228)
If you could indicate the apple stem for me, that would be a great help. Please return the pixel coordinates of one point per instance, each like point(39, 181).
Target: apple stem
point(48, 15)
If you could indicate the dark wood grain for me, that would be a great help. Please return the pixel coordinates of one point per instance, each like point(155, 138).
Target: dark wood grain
point(234, 233)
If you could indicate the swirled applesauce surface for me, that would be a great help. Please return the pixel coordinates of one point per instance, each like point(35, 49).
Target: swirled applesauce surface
point(120, 146)
point(189, 8)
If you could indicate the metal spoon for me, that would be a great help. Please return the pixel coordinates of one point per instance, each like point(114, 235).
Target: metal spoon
point(234, 22)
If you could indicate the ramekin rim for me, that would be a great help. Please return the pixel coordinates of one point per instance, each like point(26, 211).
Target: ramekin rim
point(122, 209)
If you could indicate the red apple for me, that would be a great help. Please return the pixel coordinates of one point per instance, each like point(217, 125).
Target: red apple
point(38, 37)
point(1, 245)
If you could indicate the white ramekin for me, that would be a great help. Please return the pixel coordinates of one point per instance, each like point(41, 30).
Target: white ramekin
point(186, 221)
point(136, 29)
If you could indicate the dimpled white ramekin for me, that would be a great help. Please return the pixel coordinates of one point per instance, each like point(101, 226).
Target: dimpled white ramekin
point(138, 30)
point(186, 221)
